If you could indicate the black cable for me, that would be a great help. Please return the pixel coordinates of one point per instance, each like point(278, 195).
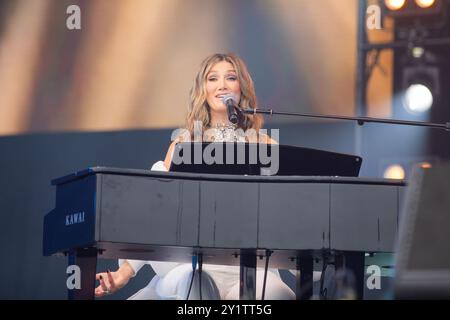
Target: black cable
point(322, 291)
point(266, 268)
point(200, 263)
point(194, 266)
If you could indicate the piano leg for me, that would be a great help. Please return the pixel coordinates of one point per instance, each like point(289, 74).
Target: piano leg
point(354, 262)
point(247, 280)
point(304, 277)
point(86, 260)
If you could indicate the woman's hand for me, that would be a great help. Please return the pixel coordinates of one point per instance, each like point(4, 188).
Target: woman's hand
point(110, 282)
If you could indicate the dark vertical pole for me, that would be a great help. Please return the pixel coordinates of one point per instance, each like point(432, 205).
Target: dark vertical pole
point(361, 78)
point(350, 266)
point(304, 277)
point(247, 283)
point(86, 260)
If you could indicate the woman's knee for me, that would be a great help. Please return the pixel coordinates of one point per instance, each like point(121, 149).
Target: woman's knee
point(181, 284)
point(276, 289)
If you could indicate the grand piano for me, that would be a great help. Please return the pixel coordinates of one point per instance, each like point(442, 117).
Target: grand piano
point(106, 212)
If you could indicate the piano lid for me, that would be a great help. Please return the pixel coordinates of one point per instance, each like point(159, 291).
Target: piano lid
point(221, 177)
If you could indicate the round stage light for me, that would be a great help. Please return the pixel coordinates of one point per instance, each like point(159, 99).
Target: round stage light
point(418, 98)
point(417, 52)
point(394, 5)
point(394, 171)
point(424, 4)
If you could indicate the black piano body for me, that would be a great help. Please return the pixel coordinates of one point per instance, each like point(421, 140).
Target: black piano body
point(226, 219)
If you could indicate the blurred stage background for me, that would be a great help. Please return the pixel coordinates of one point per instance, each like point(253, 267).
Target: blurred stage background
point(110, 94)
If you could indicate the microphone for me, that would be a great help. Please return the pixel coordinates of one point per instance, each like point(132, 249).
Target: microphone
point(230, 102)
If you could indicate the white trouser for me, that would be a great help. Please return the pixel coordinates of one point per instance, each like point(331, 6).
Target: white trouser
point(218, 282)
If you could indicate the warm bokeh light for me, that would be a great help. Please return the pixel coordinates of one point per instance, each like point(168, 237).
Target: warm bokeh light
point(132, 63)
point(394, 171)
point(425, 3)
point(394, 4)
point(20, 48)
point(425, 165)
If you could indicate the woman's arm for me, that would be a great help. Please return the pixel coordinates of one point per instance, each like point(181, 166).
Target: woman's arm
point(169, 154)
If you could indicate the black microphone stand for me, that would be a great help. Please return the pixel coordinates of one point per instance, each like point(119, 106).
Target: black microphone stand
point(360, 120)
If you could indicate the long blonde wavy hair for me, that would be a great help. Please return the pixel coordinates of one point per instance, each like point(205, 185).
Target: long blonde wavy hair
point(198, 106)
